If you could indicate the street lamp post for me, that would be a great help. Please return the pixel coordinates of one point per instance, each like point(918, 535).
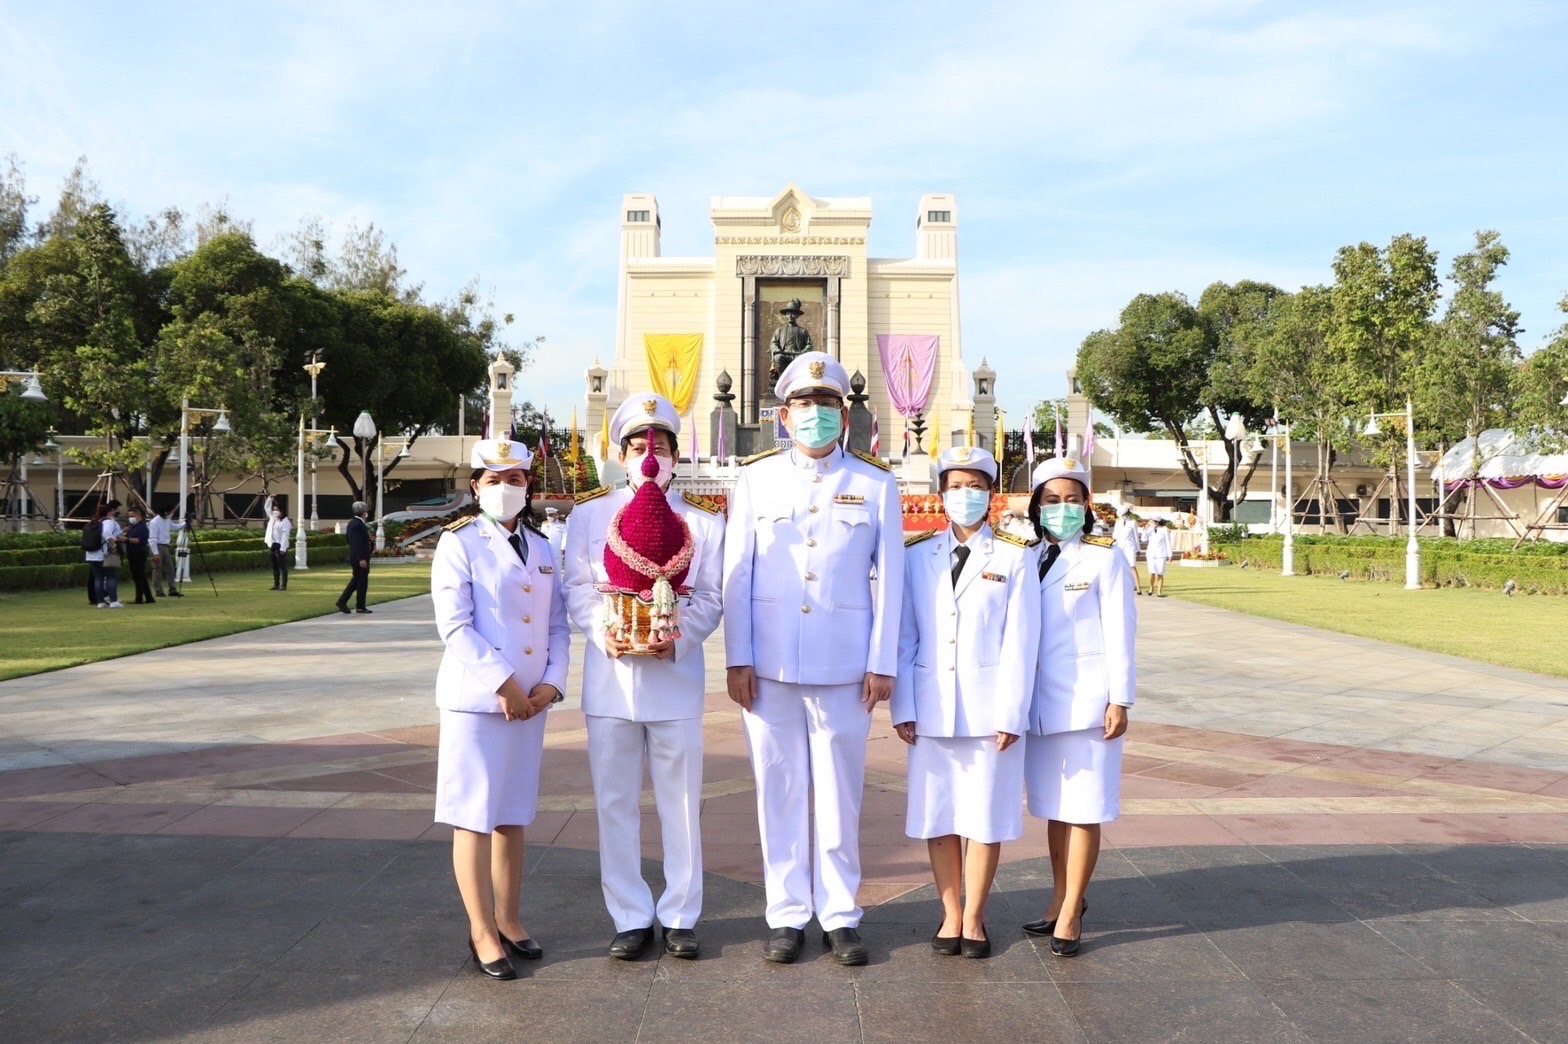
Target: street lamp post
point(1412, 548)
point(59, 477)
point(219, 426)
point(1282, 433)
point(32, 391)
point(301, 555)
point(314, 368)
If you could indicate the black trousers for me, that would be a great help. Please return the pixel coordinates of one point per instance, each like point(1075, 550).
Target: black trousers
point(139, 574)
point(358, 584)
point(280, 568)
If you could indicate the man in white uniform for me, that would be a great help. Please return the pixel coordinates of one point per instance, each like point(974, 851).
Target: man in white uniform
point(1126, 537)
point(813, 586)
point(554, 530)
point(646, 707)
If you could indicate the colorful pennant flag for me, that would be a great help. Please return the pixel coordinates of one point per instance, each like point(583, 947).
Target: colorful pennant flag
point(876, 434)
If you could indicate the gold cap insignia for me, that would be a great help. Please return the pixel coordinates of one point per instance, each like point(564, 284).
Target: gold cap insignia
point(503, 450)
point(961, 454)
point(1070, 464)
point(816, 366)
point(650, 406)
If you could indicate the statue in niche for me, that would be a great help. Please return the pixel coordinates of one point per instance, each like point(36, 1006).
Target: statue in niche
point(790, 341)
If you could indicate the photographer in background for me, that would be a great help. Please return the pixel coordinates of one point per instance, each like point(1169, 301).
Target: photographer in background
point(279, 528)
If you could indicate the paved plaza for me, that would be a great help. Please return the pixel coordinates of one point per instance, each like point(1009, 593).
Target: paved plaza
point(1325, 838)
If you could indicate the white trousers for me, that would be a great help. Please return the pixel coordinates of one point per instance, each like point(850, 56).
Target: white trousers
point(617, 749)
point(809, 739)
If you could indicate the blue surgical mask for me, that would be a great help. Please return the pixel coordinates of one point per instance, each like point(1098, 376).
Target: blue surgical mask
point(966, 506)
point(817, 426)
point(1062, 520)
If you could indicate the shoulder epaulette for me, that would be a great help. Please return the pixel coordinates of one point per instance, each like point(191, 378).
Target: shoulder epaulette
point(1013, 538)
point(697, 500)
point(1099, 541)
point(760, 456)
point(911, 539)
point(584, 497)
point(458, 523)
point(869, 459)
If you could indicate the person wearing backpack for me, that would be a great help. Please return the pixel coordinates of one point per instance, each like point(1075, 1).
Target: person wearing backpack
point(103, 556)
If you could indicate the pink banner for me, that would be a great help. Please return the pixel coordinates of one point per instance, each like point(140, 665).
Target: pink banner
point(909, 363)
point(1544, 481)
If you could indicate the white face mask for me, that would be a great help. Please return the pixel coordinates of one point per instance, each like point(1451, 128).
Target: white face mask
point(503, 502)
point(634, 470)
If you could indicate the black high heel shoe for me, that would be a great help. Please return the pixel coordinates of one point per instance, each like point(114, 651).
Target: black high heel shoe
point(527, 949)
point(946, 945)
point(1045, 929)
point(1067, 947)
point(497, 969)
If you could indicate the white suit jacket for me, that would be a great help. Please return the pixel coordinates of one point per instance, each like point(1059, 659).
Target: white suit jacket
point(1159, 542)
point(640, 688)
point(1088, 632)
point(497, 616)
point(966, 654)
point(813, 569)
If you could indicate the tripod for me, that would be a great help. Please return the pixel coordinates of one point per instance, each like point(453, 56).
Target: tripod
point(188, 536)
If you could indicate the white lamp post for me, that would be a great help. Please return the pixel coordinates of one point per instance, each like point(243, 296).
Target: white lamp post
point(59, 476)
point(1288, 553)
point(1412, 548)
point(301, 555)
point(220, 426)
point(314, 368)
point(32, 391)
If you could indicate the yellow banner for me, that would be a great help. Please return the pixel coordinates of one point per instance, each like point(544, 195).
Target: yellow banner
point(672, 366)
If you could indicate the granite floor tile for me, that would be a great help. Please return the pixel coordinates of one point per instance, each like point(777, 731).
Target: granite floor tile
point(1234, 1012)
point(900, 1012)
point(1391, 1012)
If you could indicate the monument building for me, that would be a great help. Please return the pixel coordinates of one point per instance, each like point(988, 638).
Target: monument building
point(788, 274)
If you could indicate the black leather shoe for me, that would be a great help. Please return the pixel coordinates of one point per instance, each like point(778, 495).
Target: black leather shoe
point(976, 948)
point(784, 945)
point(1045, 929)
point(528, 950)
point(345, 610)
point(848, 950)
point(365, 611)
point(1064, 947)
point(946, 945)
point(497, 969)
point(682, 943)
point(628, 946)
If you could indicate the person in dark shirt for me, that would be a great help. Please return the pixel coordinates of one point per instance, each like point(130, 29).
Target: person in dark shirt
point(137, 548)
point(358, 534)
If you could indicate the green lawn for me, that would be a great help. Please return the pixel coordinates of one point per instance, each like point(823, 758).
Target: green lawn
point(48, 630)
point(1527, 632)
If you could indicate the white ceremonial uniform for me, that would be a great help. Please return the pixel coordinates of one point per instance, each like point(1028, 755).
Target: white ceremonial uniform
point(638, 708)
point(1088, 628)
point(813, 588)
point(499, 618)
point(1126, 536)
point(1159, 550)
point(966, 668)
point(554, 530)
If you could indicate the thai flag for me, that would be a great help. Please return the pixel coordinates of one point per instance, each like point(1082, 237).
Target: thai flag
point(876, 434)
point(544, 434)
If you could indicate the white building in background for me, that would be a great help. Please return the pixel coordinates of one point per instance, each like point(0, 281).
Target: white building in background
point(766, 252)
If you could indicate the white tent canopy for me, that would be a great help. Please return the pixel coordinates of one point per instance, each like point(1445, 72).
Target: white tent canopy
point(1503, 455)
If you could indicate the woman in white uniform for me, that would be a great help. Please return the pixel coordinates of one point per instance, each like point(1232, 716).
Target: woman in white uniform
point(1125, 534)
point(968, 639)
point(498, 607)
point(1159, 555)
point(1083, 687)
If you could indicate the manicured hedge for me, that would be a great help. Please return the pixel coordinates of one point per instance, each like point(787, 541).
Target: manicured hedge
point(221, 556)
point(1537, 568)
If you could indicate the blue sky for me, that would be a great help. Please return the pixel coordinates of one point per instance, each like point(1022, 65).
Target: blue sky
point(1097, 150)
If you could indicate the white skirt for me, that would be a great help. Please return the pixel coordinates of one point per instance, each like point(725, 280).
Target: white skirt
point(1129, 552)
point(962, 785)
point(1074, 777)
point(487, 770)
point(1157, 564)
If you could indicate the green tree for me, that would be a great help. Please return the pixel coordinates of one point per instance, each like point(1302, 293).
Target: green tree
point(14, 204)
point(1539, 393)
point(1160, 370)
point(1463, 379)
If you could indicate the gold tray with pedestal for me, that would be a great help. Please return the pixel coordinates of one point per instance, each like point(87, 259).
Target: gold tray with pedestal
point(632, 616)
